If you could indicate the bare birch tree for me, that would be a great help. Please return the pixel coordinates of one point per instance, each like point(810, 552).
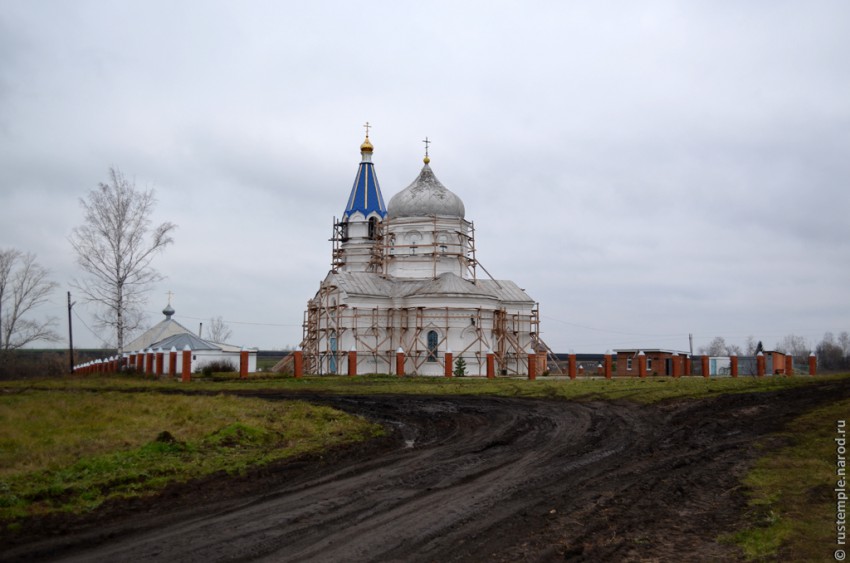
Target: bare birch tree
point(218, 330)
point(24, 285)
point(115, 246)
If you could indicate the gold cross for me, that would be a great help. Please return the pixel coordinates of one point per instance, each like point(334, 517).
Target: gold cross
point(427, 142)
point(367, 126)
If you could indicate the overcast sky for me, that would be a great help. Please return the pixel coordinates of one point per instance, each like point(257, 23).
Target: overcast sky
point(645, 170)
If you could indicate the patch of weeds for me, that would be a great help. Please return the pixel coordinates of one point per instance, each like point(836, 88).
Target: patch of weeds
point(792, 504)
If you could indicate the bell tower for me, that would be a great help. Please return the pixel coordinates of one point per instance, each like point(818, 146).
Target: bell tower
point(358, 229)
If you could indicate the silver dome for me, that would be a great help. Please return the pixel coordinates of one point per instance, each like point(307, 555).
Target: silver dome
point(425, 197)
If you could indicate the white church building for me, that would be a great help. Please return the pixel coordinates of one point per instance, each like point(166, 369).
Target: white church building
point(404, 278)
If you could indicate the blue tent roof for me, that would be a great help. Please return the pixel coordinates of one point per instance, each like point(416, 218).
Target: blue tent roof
point(366, 193)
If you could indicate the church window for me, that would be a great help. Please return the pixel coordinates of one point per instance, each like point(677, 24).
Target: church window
point(373, 228)
point(344, 232)
point(442, 239)
point(433, 339)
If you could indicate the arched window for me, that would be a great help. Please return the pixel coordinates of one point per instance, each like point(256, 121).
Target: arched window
point(433, 339)
point(373, 228)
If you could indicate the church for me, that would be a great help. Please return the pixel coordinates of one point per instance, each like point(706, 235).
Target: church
point(404, 278)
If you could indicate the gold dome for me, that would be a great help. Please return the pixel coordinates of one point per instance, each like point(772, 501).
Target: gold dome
point(366, 146)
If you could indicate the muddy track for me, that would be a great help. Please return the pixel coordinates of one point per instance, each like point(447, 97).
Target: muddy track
point(470, 479)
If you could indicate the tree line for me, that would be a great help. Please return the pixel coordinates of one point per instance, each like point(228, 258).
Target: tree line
point(833, 352)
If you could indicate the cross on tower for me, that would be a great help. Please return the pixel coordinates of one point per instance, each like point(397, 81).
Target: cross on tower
point(170, 294)
point(367, 126)
point(427, 142)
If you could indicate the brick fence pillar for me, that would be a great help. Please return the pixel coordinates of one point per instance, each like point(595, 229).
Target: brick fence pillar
point(688, 366)
point(704, 365)
point(760, 364)
point(149, 362)
point(607, 364)
point(733, 365)
point(449, 363)
point(352, 362)
point(571, 366)
point(160, 362)
point(532, 366)
point(399, 362)
point(813, 364)
point(789, 365)
point(172, 362)
point(676, 365)
point(641, 364)
point(491, 365)
point(298, 363)
point(243, 363)
point(186, 371)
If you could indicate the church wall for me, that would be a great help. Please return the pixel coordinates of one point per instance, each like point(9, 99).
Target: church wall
point(377, 332)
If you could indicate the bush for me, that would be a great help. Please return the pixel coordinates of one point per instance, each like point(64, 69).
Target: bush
point(218, 366)
point(31, 364)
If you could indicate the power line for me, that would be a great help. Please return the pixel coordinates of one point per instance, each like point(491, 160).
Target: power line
point(611, 331)
point(79, 318)
point(238, 322)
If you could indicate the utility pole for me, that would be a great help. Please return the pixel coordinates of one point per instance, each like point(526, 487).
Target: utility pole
point(70, 334)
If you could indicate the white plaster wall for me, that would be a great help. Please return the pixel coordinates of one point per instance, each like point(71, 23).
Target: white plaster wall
point(439, 247)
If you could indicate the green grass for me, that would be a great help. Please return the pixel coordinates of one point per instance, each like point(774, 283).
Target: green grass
point(649, 390)
point(72, 451)
point(791, 492)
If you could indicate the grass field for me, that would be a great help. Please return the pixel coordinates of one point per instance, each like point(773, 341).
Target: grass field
point(73, 450)
point(647, 390)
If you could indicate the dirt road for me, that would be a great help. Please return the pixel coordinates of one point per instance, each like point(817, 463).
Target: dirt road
point(468, 479)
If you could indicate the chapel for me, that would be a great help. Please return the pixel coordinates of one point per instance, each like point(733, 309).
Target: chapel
point(404, 278)
point(168, 335)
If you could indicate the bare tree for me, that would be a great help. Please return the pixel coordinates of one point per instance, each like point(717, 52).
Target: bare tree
point(844, 342)
point(716, 347)
point(23, 287)
point(115, 246)
point(829, 353)
point(218, 331)
point(793, 345)
point(750, 347)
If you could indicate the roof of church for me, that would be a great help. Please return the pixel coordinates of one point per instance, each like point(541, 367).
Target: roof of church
point(180, 341)
point(366, 196)
point(452, 284)
point(159, 331)
point(424, 197)
point(445, 285)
